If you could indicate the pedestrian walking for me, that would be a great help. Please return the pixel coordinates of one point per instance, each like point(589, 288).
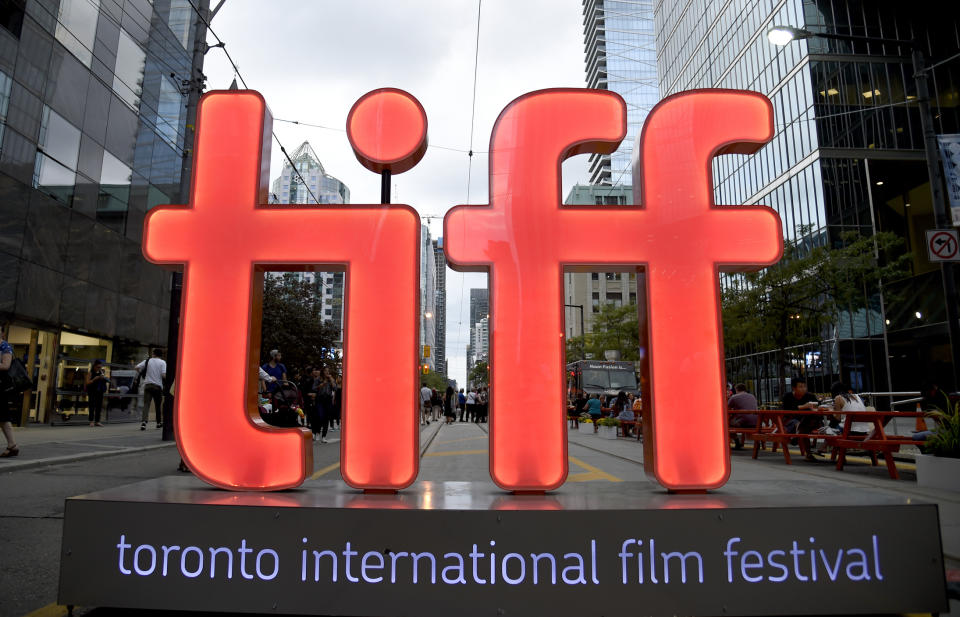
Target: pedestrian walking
point(325, 387)
point(436, 405)
point(449, 405)
point(425, 395)
point(275, 369)
point(472, 405)
point(6, 396)
point(338, 400)
point(152, 372)
point(482, 405)
point(462, 405)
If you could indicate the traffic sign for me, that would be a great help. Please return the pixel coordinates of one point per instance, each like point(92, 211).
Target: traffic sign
point(943, 245)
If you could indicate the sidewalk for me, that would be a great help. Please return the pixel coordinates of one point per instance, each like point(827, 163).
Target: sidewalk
point(41, 444)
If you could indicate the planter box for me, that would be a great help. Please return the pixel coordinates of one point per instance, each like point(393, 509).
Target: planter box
point(608, 432)
point(938, 472)
point(586, 428)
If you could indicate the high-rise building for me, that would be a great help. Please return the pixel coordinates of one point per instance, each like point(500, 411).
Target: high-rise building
point(479, 305)
point(291, 187)
point(587, 291)
point(311, 181)
point(847, 155)
point(440, 263)
point(92, 120)
point(621, 57)
point(480, 342)
point(428, 299)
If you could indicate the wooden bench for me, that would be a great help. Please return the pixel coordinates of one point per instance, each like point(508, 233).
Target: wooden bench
point(774, 430)
point(877, 441)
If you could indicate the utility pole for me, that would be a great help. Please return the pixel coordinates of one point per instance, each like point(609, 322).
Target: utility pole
point(194, 88)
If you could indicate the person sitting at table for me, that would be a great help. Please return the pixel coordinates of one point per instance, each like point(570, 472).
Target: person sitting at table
point(846, 401)
point(636, 403)
point(626, 415)
point(595, 409)
point(742, 400)
point(798, 399)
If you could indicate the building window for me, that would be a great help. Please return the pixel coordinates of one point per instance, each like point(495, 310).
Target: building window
point(114, 191)
point(594, 276)
point(612, 276)
point(180, 21)
point(168, 112)
point(615, 299)
point(57, 151)
point(11, 15)
point(5, 84)
point(77, 27)
point(128, 76)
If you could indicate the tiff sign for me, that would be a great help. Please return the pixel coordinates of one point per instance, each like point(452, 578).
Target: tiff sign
point(227, 237)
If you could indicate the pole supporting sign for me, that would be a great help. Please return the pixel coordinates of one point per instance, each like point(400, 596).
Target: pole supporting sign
point(943, 245)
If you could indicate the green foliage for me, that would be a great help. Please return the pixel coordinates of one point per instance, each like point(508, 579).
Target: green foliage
point(608, 422)
point(434, 380)
point(479, 374)
point(945, 441)
point(293, 323)
point(797, 300)
point(614, 328)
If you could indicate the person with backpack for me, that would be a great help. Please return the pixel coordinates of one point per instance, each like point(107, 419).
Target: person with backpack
point(6, 413)
point(152, 372)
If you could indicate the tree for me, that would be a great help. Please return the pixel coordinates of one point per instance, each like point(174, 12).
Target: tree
point(434, 380)
point(614, 328)
point(293, 323)
point(814, 288)
point(479, 374)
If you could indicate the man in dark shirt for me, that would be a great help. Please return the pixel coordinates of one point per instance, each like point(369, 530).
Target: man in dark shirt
point(742, 401)
point(798, 399)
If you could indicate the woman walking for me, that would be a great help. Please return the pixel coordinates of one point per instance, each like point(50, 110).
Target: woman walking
point(6, 398)
point(96, 383)
point(449, 409)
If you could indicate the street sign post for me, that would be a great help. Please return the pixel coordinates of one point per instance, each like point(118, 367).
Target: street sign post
point(943, 245)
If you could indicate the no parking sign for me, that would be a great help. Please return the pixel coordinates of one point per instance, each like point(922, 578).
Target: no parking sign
point(943, 245)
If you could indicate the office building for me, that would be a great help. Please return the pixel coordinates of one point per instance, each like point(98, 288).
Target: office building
point(92, 120)
point(307, 182)
point(428, 300)
point(620, 50)
point(847, 156)
point(480, 340)
point(586, 291)
point(440, 264)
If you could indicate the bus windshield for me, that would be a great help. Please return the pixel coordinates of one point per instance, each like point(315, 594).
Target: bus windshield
point(616, 379)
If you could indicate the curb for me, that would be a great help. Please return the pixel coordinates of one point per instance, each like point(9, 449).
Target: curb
point(71, 458)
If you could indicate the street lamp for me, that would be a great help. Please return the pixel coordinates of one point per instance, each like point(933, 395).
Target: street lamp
point(583, 348)
point(783, 35)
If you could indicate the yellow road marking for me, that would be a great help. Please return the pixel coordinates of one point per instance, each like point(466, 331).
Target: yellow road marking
point(50, 610)
point(456, 453)
point(599, 472)
point(484, 438)
point(586, 476)
point(325, 470)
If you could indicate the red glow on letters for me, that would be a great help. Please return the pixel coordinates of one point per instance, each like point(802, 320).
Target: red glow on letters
point(388, 130)
point(226, 239)
point(526, 237)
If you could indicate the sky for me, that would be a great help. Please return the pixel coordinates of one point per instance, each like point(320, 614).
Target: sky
point(312, 60)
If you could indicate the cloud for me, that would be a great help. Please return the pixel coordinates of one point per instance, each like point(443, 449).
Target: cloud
point(312, 60)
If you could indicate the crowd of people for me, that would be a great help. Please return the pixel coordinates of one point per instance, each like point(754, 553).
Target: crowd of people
point(311, 396)
point(625, 406)
point(453, 405)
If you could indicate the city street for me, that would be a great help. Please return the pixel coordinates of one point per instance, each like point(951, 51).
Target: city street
point(31, 511)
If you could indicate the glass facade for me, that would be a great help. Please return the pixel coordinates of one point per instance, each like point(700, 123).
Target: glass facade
point(847, 156)
point(85, 88)
point(621, 57)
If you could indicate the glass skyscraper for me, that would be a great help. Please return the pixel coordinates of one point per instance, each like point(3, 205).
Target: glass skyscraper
point(847, 156)
point(621, 57)
point(92, 120)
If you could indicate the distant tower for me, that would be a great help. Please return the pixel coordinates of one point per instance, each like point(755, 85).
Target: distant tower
point(290, 189)
point(440, 262)
point(621, 56)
